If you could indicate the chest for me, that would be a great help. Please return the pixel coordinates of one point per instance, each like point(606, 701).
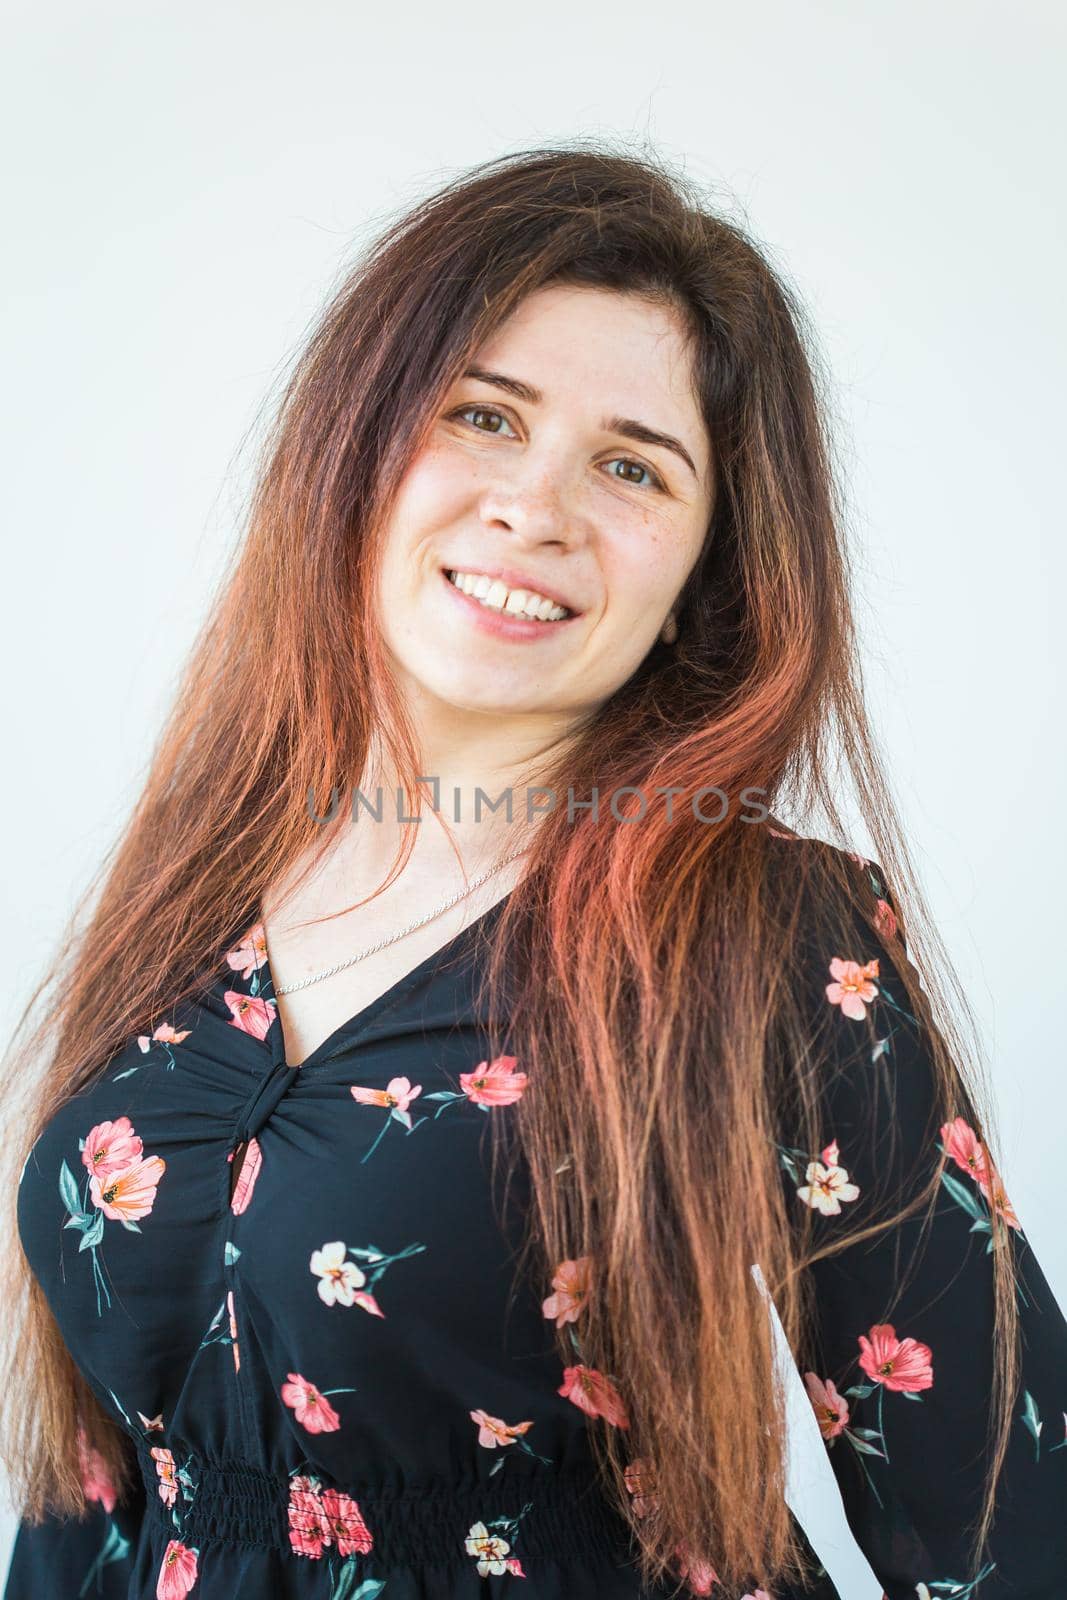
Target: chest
point(310, 1015)
point(348, 1247)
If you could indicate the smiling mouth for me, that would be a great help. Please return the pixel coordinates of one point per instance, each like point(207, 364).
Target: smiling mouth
point(495, 595)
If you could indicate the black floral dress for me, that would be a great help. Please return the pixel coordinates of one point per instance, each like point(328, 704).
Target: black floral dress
point(289, 1287)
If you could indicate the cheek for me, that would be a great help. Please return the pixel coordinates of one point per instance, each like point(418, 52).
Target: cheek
point(436, 488)
point(644, 569)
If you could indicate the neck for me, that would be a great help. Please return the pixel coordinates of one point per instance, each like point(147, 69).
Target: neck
point(481, 772)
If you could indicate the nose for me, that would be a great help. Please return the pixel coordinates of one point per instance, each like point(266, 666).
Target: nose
point(534, 506)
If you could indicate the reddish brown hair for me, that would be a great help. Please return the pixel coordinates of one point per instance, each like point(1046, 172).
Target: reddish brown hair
point(664, 945)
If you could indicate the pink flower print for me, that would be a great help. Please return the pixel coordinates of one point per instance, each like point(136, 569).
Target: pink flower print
point(95, 1477)
point(828, 1184)
point(760, 1594)
point(177, 1575)
point(572, 1282)
point(962, 1144)
point(852, 988)
point(166, 1472)
point(250, 954)
point(165, 1034)
point(320, 1518)
point(233, 1330)
point(904, 1365)
point(396, 1097)
point(831, 1408)
point(129, 1195)
point(594, 1394)
point(494, 1083)
point(493, 1430)
point(861, 861)
point(638, 1478)
point(699, 1575)
point(250, 1013)
point(246, 1177)
point(111, 1147)
point(993, 1190)
point(151, 1424)
point(309, 1529)
point(339, 1278)
point(885, 919)
point(313, 1411)
point(345, 1522)
point(491, 1551)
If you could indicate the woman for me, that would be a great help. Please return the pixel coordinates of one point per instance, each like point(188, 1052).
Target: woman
point(547, 514)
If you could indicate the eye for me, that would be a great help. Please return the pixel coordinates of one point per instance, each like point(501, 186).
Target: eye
point(479, 411)
point(655, 481)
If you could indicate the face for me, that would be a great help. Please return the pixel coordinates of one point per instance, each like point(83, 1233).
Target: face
point(551, 472)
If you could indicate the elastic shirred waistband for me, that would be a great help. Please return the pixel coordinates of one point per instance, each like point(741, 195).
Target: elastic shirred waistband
point(559, 1516)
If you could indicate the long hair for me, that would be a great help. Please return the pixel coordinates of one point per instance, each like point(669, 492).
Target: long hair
point(656, 969)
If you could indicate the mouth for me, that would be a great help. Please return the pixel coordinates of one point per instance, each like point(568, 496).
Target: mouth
point(511, 601)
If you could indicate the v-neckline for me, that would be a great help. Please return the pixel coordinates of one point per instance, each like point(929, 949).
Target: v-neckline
point(373, 1008)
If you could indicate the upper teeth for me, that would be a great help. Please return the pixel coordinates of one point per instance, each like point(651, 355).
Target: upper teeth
point(522, 602)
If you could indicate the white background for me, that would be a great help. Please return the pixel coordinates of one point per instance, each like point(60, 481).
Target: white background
point(186, 182)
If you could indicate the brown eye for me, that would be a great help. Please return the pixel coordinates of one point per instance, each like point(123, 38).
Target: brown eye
point(480, 411)
point(656, 480)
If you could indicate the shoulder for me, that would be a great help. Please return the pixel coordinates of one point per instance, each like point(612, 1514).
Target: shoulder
point(845, 948)
point(865, 1047)
point(826, 892)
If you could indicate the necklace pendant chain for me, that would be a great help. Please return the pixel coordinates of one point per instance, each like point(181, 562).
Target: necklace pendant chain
point(341, 966)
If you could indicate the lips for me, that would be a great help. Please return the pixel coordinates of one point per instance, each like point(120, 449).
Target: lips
point(496, 623)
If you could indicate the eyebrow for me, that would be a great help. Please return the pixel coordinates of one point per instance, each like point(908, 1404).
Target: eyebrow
point(629, 427)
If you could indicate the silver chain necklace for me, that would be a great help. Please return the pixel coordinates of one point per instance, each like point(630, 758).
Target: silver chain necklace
point(317, 977)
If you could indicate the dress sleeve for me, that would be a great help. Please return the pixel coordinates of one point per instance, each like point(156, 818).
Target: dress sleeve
point(900, 1367)
point(75, 1558)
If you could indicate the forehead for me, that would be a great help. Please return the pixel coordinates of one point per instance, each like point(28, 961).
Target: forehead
point(595, 352)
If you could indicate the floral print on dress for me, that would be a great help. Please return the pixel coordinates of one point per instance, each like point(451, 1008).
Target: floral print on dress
point(285, 1277)
point(310, 1406)
point(903, 1366)
point(251, 1013)
point(160, 1042)
point(96, 1480)
point(345, 1282)
point(120, 1186)
point(178, 1574)
point(900, 1366)
point(165, 1034)
point(895, 1362)
point(591, 1391)
point(176, 1487)
point(962, 1144)
point(494, 1433)
point(245, 1182)
point(492, 1549)
point(250, 1010)
point(232, 1318)
point(113, 1547)
point(490, 1084)
point(324, 1518)
point(222, 1329)
point(827, 1185)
